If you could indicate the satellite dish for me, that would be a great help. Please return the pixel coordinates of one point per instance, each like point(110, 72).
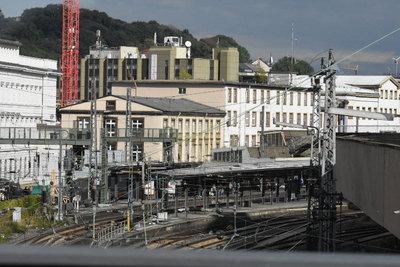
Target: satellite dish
point(188, 44)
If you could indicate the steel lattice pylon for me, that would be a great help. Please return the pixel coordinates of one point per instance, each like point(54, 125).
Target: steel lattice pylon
point(70, 52)
point(323, 197)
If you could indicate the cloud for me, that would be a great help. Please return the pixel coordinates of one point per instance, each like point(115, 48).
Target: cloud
point(367, 56)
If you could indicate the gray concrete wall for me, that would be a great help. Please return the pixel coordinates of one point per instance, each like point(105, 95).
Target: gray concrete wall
point(368, 175)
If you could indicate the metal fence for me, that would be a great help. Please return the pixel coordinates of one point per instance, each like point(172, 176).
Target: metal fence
point(111, 232)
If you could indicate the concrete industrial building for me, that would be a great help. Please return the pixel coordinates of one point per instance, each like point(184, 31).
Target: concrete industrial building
point(197, 125)
point(27, 99)
point(161, 62)
point(367, 175)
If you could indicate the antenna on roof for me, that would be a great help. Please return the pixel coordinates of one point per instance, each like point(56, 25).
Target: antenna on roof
point(155, 38)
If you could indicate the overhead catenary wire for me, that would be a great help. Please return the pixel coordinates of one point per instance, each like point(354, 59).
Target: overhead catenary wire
point(291, 88)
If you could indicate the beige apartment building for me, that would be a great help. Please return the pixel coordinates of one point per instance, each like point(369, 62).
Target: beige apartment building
point(198, 126)
point(104, 66)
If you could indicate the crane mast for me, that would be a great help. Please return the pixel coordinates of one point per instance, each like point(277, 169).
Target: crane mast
point(70, 52)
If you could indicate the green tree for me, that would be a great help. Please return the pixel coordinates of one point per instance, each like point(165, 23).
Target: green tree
point(185, 75)
point(300, 66)
point(261, 76)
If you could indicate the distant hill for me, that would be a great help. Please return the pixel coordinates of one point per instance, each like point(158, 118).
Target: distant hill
point(39, 30)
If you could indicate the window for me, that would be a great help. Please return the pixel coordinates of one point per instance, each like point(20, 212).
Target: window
point(298, 118)
point(173, 123)
point(193, 152)
point(391, 94)
point(247, 141)
point(350, 117)
point(111, 145)
point(83, 123)
point(262, 96)
point(234, 140)
point(311, 101)
point(291, 98)
point(110, 105)
point(268, 119)
point(247, 95)
point(187, 126)
point(299, 99)
point(182, 91)
point(218, 127)
point(284, 98)
point(254, 140)
point(200, 129)
point(207, 126)
point(193, 126)
point(254, 96)
point(268, 96)
point(110, 126)
point(291, 117)
point(137, 151)
point(247, 118)
point(180, 125)
point(235, 118)
point(229, 95)
point(253, 119)
point(284, 117)
point(235, 92)
point(229, 118)
point(277, 117)
point(137, 123)
point(278, 98)
point(305, 119)
point(165, 123)
point(305, 99)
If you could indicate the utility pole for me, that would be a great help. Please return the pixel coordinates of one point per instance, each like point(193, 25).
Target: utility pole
point(93, 180)
point(328, 197)
point(292, 58)
point(262, 121)
point(60, 180)
point(323, 197)
point(128, 147)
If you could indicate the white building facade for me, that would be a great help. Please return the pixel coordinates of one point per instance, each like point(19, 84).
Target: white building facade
point(373, 94)
point(27, 98)
point(244, 107)
point(293, 104)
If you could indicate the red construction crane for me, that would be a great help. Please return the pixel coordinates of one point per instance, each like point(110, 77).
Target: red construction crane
point(70, 52)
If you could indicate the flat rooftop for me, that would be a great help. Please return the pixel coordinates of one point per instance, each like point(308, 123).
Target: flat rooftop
point(213, 168)
point(380, 139)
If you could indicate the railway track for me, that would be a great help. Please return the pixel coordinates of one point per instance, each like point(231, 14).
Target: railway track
point(280, 233)
point(69, 234)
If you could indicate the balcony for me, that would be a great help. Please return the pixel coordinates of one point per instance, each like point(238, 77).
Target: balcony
point(145, 135)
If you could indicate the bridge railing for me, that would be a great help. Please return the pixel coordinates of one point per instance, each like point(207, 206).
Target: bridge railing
point(152, 133)
point(43, 133)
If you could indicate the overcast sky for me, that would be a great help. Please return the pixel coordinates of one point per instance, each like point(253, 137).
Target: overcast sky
point(264, 27)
